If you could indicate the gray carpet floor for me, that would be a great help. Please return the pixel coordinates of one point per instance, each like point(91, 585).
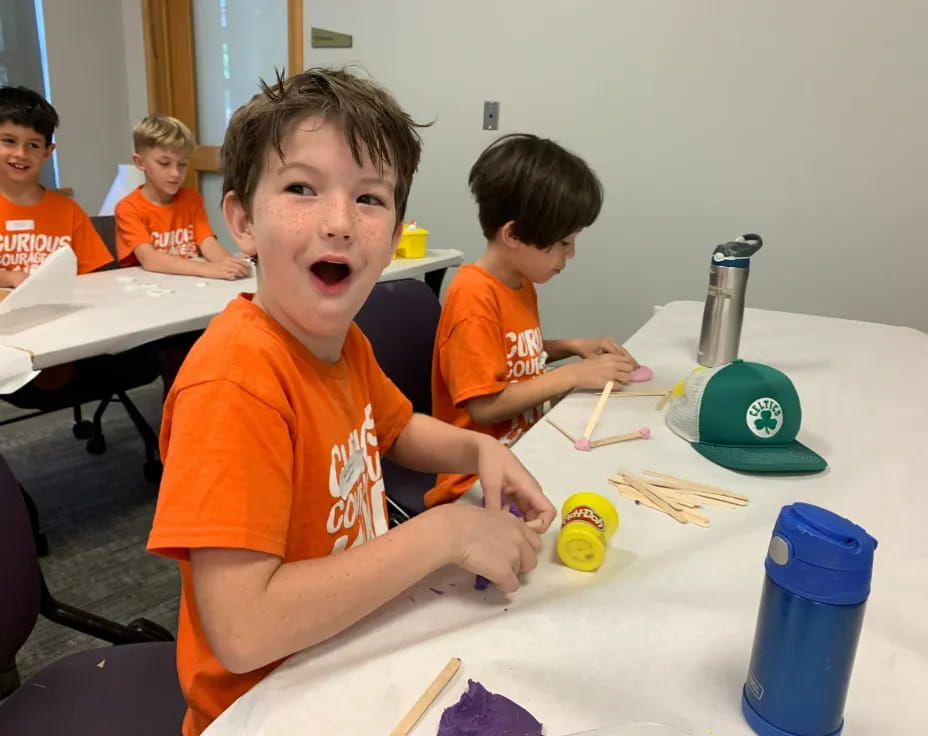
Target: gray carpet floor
point(96, 511)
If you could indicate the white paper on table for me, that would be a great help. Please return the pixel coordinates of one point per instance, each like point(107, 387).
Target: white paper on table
point(52, 282)
point(15, 369)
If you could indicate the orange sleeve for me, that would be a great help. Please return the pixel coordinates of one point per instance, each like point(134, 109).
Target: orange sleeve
point(228, 474)
point(473, 360)
point(88, 247)
point(131, 230)
point(390, 407)
point(201, 227)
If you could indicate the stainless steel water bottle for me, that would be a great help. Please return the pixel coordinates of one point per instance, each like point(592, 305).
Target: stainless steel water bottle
point(724, 310)
point(819, 567)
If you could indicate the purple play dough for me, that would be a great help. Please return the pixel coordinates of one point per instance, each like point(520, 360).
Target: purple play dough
point(482, 713)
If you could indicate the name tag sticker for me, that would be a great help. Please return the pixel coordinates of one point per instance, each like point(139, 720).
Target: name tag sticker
point(14, 226)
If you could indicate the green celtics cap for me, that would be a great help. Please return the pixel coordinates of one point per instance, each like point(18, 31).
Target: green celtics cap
point(744, 416)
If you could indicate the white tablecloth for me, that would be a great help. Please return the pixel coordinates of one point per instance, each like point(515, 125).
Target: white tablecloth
point(663, 631)
point(107, 317)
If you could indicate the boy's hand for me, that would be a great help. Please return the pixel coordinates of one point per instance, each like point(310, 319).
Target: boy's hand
point(597, 371)
point(12, 278)
point(589, 347)
point(505, 480)
point(228, 268)
point(492, 543)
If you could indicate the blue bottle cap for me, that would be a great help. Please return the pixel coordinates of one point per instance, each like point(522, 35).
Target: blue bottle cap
point(821, 556)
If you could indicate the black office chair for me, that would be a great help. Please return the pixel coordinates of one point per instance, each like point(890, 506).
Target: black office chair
point(115, 690)
point(400, 318)
point(103, 379)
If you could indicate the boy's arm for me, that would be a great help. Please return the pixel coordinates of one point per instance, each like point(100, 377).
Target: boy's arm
point(12, 278)
point(256, 610)
point(592, 373)
point(585, 347)
point(214, 253)
point(154, 260)
point(432, 446)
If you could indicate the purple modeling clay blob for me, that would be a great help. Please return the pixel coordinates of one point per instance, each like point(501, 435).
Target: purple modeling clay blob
point(482, 713)
point(641, 374)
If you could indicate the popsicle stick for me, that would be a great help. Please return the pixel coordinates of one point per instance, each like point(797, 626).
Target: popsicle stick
point(690, 516)
point(686, 503)
point(642, 434)
point(726, 503)
point(426, 699)
point(654, 496)
point(664, 401)
point(620, 394)
point(560, 429)
point(698, 486)
point(594, 417)
point(673, 486)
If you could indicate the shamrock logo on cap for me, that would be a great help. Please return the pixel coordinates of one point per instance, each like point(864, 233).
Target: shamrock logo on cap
point(764, 417)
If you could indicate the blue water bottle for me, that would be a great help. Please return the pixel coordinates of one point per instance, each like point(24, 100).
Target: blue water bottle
point(811, 610)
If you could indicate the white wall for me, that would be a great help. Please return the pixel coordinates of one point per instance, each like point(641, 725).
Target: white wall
point(804, 121)
point(87, 66)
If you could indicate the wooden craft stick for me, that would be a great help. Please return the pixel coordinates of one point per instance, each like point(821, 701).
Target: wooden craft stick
point(701, 500)
point(654, 496)
point(642, 434)
point(686, 503)
point(691, 516)
point(637, 481)
point(560, 429)
point(722, 499)
point(664, 401)
point(594, 417)
point(620, 394)
point(700, 486)
point(426, 699)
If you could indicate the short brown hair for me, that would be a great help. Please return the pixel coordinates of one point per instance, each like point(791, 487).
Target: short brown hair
point(372, 121)
point(545, 190)
point(162, 131)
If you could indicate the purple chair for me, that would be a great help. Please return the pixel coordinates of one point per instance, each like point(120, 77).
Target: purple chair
point(400, 319)
point(129, 689)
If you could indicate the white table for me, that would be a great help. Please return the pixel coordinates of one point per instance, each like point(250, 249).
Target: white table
point(106, 318)
point(663, 631)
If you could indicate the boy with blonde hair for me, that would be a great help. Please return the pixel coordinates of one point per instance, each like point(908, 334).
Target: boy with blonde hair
point(162, 225)
point(489, 366)
point(272, 497)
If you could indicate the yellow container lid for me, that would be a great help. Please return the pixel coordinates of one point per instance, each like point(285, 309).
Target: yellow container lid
point(411, 228)
point(588, 523)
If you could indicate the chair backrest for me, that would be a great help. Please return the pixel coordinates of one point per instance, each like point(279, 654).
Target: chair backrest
point(400, 319)
point(105, 225)
point(20, 576)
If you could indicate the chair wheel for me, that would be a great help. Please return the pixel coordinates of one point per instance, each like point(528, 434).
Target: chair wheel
point(96, 445)
point(150, 630)
point(83, 430)
point(152, 471)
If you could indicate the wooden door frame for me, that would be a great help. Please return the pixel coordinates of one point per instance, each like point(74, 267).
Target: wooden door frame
point(171, 72)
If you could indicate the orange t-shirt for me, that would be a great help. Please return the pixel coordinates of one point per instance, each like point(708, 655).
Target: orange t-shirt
point(28, 234)
point(266, 448)
point(489, 335)
point(176, 229)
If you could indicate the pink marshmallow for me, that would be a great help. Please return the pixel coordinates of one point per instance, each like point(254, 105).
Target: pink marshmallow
point(583, 444)
point(641, 374)
point(645, 433)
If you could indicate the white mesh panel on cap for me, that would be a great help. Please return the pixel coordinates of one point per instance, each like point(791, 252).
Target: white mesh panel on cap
point(683, 412)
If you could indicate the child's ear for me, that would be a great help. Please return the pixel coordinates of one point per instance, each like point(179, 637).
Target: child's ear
point(507, 234)
point(49, 149)
point(137, 160)
point(239, 224)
